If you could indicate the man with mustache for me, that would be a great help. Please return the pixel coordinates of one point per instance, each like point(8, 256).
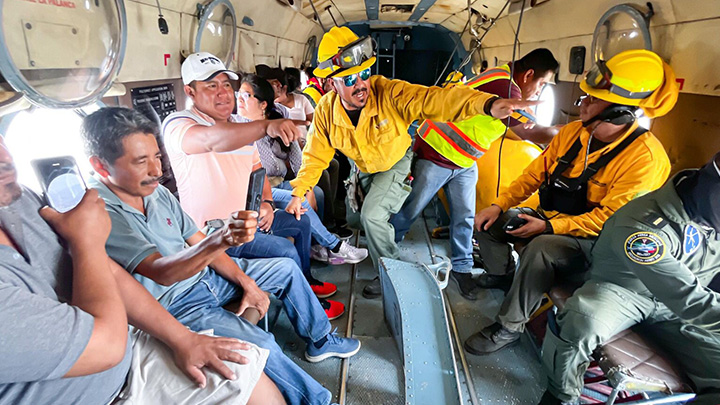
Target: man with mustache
point(188, 272)
point(66, 308)
point(367, 119)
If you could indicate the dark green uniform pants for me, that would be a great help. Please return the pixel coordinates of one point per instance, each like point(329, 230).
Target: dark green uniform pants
point(546, 261)
point(385, 193)
point(599, 310)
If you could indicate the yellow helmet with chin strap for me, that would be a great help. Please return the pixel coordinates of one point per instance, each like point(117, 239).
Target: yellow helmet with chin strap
point(626, 78)
point(342, 53)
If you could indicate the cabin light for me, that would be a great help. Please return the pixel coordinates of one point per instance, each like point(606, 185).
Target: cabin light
point(545, 111)
point(41, 133)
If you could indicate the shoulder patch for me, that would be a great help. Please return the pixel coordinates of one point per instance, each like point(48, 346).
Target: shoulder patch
point(691, 240)
point(654, 220)
point(644, 248)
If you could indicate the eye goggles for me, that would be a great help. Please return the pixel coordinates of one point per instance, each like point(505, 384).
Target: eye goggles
point(599, 77)
point(350, 80)
point(351, 55)
point(590, 99)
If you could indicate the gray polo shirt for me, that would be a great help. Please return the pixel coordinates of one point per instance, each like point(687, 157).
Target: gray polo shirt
point(42, 335)
point(163, 229)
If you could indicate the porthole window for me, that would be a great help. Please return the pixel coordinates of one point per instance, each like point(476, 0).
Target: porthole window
point(545, 111)
point(90, 35)
point(40, 133)
point(217, 30)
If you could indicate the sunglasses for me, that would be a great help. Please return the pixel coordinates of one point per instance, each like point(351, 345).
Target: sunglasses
point(350, 81)
point(590, 99)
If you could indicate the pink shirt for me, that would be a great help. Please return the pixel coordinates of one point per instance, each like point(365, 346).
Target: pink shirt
point(211, 185)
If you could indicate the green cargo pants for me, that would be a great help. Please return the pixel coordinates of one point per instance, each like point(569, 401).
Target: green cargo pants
point(599, 310)
point(385, 193)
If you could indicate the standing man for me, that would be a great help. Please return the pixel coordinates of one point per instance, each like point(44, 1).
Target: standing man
point(366, 118)
point(447, 153)
point(652, 265)
point(590, 169)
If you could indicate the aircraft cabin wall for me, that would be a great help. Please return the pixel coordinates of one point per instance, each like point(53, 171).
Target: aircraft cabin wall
point(686, 33)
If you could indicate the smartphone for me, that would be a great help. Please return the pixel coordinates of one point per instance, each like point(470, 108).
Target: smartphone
point(61, 181)
point(255, 190)
point(522, 116)
point(514, 223)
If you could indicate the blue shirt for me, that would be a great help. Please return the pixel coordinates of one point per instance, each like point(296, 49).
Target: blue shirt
point(162, 229)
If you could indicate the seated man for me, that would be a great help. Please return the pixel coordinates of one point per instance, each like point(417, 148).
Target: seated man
point(590, 169)
point(189, 273)
point(66, 311)
point(440, 165)
point(213, 155)
point(651, 267)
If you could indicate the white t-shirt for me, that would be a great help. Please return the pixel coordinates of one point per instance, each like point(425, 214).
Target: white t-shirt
point(301, 108)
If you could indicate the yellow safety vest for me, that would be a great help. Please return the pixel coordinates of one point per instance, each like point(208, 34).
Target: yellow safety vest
point(465, 142)
point(313, 94)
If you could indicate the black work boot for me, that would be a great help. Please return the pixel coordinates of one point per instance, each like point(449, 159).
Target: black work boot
point(372, 290)
point(498, 282)
point(490, 339)
point(550, 399)
point(466, 285)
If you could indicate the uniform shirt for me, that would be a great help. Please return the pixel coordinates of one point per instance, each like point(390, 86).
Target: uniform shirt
point(652, 247)
point(497, 87)
point(642, 167)
point(42, 335)
point(381, 138)
point(134, 236)
point(212, 185)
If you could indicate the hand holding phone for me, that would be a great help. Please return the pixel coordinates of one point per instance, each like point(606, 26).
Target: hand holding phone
point(61, 181)
point(255, 189)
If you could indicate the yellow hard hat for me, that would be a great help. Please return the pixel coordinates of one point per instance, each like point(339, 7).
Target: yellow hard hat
point(627, 78)
point(342, 53)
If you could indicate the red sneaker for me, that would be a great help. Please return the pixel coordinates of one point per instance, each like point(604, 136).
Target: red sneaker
point(321, 289)
point(333, 309)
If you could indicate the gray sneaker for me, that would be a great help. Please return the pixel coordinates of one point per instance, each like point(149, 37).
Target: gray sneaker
point(347, 254)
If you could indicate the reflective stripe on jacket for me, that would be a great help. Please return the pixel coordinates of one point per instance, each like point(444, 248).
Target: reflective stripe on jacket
point(465, 142)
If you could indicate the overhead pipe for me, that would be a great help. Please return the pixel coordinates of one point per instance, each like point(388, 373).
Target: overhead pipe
point(317, 16)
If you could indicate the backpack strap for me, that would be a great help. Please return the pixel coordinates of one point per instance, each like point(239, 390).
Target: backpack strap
point(565, 161)
point(606, 158)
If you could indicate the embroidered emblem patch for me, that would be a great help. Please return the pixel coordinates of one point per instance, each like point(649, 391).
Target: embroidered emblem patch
point(644, 248)
point(692, 240)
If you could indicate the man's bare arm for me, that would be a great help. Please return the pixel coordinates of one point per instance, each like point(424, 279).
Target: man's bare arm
point(230, 136)
point(166, 270)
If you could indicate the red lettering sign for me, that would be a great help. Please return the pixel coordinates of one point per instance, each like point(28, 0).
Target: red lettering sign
point(166, 56)
point(681, 82)
point(56, 3)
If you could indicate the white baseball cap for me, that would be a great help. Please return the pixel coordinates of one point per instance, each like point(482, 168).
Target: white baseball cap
point(203, 66)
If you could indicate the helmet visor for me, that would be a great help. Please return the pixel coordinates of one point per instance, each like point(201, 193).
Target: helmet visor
point(600, 77)
point(353, 54)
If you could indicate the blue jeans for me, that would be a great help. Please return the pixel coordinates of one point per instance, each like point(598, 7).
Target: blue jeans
point(201, 307)
point(460, 191)
point(266, 246)
point(319, 196)
point(319, 232)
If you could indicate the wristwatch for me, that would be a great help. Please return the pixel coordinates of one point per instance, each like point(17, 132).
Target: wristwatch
point(271, 202)
point(215, 223)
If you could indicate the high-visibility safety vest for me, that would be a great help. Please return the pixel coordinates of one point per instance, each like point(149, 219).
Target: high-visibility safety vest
point(313, 94)
point(465, 142)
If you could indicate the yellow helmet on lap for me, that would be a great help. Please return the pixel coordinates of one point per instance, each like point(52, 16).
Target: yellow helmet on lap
point(342, 53)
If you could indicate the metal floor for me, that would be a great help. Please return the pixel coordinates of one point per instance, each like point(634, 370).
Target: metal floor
point(375, 376)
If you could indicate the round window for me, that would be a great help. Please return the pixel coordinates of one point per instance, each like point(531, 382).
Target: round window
point(41, 133)
point(545, 111)
point(217, 30)
point(621, 28)
point(62, 54)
